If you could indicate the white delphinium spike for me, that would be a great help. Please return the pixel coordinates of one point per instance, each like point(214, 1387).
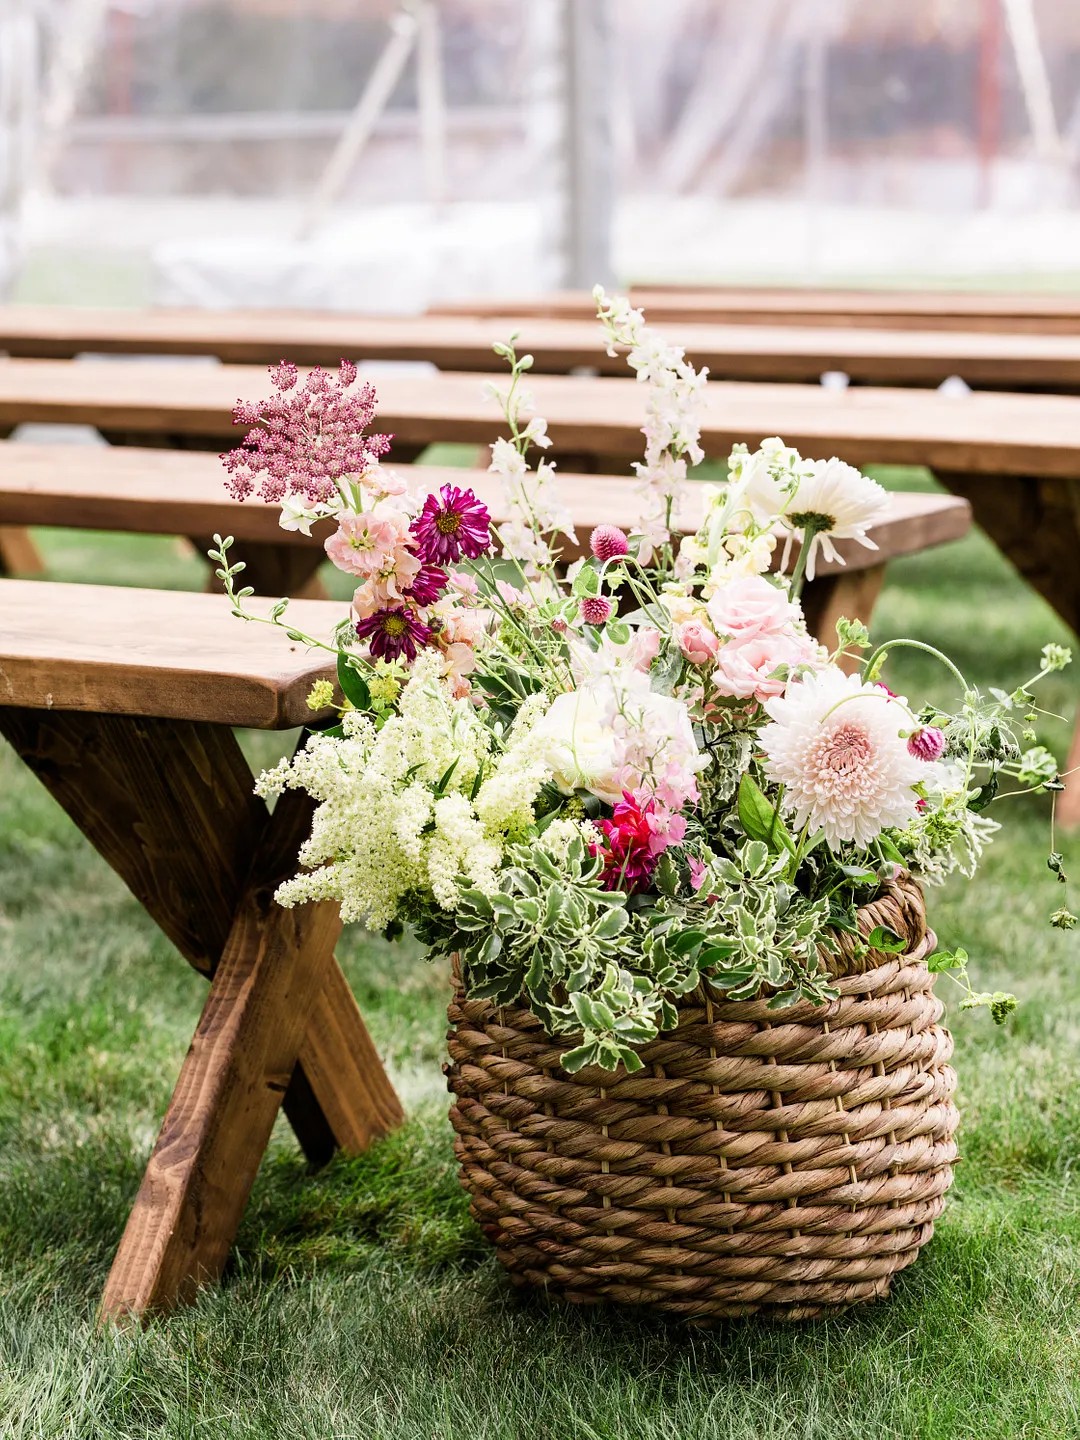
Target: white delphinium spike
point(672, 429)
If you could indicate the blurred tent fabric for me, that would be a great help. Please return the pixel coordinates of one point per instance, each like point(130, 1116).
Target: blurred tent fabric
point(389, 153)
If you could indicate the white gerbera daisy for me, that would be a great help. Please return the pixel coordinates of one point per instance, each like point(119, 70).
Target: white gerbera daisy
point(835, 744)
point(840, 502)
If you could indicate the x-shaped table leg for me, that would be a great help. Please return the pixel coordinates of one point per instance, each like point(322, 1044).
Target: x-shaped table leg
point(169, 804)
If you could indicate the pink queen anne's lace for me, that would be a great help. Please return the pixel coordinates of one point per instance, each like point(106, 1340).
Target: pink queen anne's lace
point(302, 441)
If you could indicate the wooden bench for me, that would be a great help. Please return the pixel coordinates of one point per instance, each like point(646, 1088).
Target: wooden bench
point(1016, 458)
point(781, 351)
point(177, 492)
point(124, 716)
point(1025, 313)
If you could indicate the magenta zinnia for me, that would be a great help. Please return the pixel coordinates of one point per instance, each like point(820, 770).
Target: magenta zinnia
point(452, 523)
point(393, 633)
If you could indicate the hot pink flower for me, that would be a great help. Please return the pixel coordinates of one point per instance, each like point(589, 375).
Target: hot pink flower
point(452, 523)
point(629, 859)
point(696, 641)
point(927, 744)
point(751, 607)
point(596, 610)
point(607, 542)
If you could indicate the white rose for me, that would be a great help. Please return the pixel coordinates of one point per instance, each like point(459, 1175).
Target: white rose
point(580, 746)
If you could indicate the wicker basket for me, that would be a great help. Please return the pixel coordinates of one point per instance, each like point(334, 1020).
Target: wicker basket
point(783, 1162)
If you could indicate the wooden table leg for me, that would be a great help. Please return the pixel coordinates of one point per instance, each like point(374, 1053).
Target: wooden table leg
point(850, 593)
point(169, 805)
point(18, 553)
point(1035, 522)
point(273, 569)
point(231, 1084)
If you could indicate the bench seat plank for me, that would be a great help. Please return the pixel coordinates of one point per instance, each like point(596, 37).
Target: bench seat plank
point(112, 650)
point(1027, 313)
point(182, 492)
point(976, 433)
point(778, 352)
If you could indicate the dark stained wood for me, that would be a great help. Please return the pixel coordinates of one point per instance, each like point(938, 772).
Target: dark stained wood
point(977, 433)
point(850, 595)
point(231, 1084)
point(104, 649)
point(162, 492)
point(761, 351)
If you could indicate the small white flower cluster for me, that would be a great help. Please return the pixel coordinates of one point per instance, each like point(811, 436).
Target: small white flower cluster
point(420, 804)
point(672, 430)
point(536, 514)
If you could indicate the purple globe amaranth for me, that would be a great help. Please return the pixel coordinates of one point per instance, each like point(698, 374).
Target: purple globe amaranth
point(927, 743)
point(393, 633)
point(607, 542)
point(452, 523)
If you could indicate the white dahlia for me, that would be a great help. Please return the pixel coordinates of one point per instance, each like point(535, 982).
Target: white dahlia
point(836, 746)
point(841, 502)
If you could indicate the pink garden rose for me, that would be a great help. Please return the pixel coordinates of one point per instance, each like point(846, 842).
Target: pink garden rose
point(373, 543)
point(745, 669)
point(751, 607)
point(696, 641)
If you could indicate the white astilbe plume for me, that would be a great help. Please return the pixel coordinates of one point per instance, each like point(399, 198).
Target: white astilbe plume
point(672, 430)
point(834, 743)
point(840, 502)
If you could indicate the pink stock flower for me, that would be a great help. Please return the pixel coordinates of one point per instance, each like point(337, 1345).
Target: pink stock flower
point(696, 641)
point(596, 610)
point(750, 607)
point(303, 441)
point(926, 744)
point(370, 543)
point(452, 523)
point(607, 542)
point(393, 633)
point(644, 648)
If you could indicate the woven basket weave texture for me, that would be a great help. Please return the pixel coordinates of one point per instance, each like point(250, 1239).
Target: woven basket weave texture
point(788, 1162)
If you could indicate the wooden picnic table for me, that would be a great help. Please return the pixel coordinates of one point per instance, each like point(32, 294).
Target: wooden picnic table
point(121, 701)
point(1034, 313)
point(179, 492)
point(1016, 458)
point(779, 352)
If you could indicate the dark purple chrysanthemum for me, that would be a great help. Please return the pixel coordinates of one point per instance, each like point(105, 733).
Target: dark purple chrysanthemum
point(451, 524)
point(429, 584)
point(392, 633)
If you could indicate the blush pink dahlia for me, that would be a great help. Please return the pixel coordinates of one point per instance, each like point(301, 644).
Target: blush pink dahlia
point(393, 633)
point(452, 523)
point(607, 542)
point(835, 745)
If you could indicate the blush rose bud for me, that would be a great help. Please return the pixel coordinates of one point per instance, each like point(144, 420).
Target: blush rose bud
point(596, 610)
point(927, 743)
point(607, 542)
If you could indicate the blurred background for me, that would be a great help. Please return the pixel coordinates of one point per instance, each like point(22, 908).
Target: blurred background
point(372, 154)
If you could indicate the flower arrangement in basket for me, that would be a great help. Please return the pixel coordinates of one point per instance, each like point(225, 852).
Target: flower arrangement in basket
point(672, 842)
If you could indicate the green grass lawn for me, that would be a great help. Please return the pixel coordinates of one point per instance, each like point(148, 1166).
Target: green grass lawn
point(362, 1301)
